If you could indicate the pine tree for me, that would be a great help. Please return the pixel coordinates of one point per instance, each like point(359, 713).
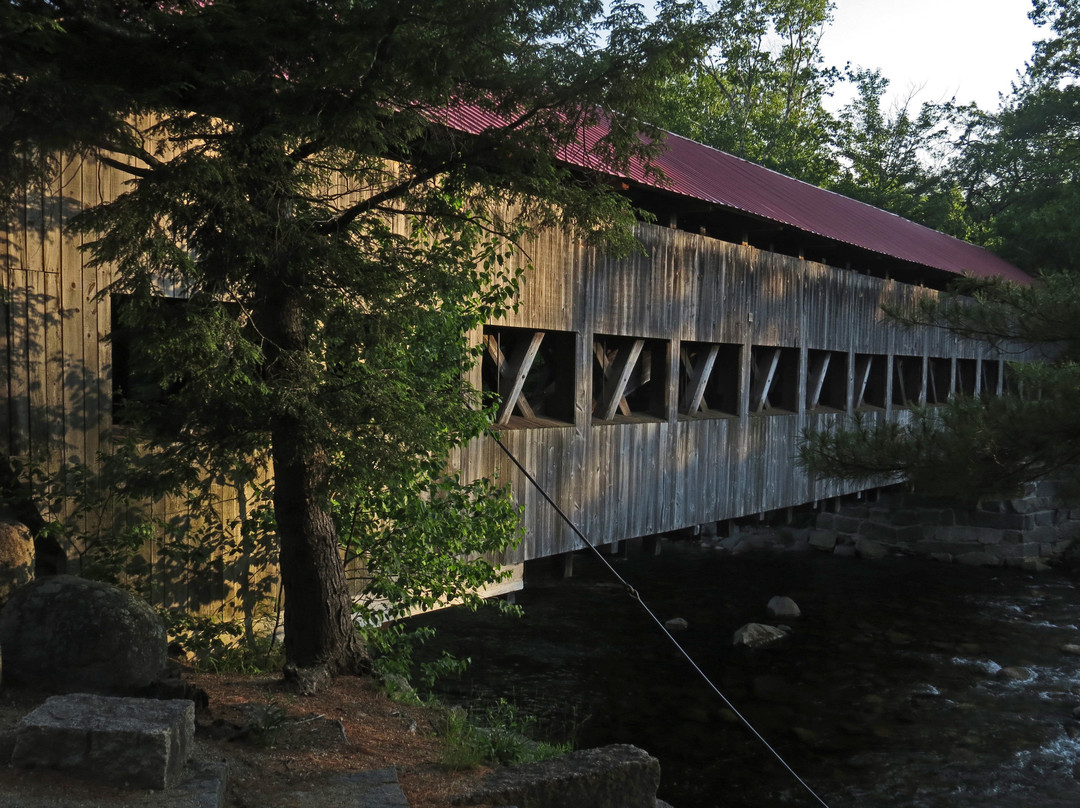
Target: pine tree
point(290, 168)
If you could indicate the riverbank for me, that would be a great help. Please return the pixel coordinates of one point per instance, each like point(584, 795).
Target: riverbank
point(276, 743)
point(905, 682)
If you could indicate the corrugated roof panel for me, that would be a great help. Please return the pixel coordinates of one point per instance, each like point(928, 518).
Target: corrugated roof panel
point(700, 172)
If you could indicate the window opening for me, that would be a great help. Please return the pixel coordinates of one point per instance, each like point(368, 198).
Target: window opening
point(907, 389)
point(870, 381)
point(967, 377)
point(629, 377)
point(774, 379)
point(938, 380)
point(826, 380)
point(532, 374)
point(708, 379)
point(991, 377)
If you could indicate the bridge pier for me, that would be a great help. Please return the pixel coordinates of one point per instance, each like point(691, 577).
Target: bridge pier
point(562, 565)
point(650, 545)
point(616, 549)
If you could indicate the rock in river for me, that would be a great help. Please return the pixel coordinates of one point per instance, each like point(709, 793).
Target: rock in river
point(757, 635)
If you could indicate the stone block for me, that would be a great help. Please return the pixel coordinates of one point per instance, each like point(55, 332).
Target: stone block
point(826, 520)
point(968, 534)
point(1043, 533)
point(1025, 550)
point(1045, 518)
point(1051, 489)
point(946, 558)
point(854, 511)
point(1003, 521)
point(1023, 505)
point(616, 776)
point(943, 548)
point(823, 539)
point(906, 517)
point(978, 559)
point(877, 531)
point(910, 534)
point(869, 549)
point(847, 524)
point(137, 743)
point(937, 516)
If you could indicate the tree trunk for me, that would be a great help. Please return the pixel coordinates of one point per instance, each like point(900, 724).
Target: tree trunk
point(320, 635)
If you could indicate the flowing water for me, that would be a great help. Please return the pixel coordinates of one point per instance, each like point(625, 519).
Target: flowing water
point(894, 688)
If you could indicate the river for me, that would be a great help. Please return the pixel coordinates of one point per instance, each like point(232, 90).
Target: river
point(893, 688)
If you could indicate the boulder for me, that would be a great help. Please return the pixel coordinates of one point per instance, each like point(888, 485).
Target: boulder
point(780, 606)
point(1015, 674)
point(676, 624)
point(870, 549)
point(616, 776)
point(68, 634)
point(977, 558)
point(823, 539)
point(16, 555)
point(757, 635)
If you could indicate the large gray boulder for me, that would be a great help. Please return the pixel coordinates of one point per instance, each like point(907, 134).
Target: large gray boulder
point(67, 634)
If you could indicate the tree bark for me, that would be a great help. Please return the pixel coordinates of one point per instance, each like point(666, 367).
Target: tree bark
point(320, 636)
point(319, 628)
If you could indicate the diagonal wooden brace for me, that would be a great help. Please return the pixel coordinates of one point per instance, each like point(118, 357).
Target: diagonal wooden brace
point(514, 371)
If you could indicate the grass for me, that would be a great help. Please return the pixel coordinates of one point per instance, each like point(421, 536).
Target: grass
point(497, 736)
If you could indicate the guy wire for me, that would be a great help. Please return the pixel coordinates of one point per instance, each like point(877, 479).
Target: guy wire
point(637, 596)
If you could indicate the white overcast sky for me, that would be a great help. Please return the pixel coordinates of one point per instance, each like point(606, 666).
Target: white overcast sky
point(968, 48)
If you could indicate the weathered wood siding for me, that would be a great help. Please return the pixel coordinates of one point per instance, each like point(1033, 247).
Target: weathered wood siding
point(648, 475)
point(56, 398)
point(628, 477)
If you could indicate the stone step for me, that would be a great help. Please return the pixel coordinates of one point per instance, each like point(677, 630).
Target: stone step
point(201, 786)
point(616, 776)
point(126, 742)
point(376, 788)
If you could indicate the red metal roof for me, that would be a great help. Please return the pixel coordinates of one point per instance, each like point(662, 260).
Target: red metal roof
point(700, 172)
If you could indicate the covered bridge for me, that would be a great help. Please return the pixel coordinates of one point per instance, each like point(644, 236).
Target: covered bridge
point(647, 394)
point(670, 389)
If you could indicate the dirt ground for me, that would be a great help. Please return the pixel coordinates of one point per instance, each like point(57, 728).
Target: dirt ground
point(274, 739)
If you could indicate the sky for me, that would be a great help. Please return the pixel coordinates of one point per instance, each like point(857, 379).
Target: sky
point(968, 48)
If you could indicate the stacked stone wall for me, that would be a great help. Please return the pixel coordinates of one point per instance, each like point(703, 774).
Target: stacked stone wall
point(1025, 532)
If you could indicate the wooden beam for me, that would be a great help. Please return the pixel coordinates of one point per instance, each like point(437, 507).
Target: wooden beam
point(619, 371)
point(515, 370)
point(863, 365)
point(819, 367)
point(759, 390)
point(899, 381)
point(697, 378)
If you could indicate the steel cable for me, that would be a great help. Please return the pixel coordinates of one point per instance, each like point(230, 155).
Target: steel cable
point(637, 596)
